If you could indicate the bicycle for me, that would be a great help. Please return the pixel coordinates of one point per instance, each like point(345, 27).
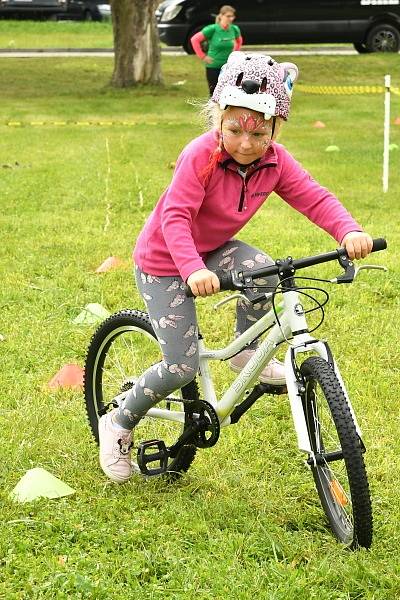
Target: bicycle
point(172, 431)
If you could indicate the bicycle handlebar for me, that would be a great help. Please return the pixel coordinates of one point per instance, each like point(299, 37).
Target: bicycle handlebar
point(301, 263)
point(236, 280)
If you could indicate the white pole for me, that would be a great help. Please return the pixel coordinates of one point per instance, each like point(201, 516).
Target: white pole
point(386, 132)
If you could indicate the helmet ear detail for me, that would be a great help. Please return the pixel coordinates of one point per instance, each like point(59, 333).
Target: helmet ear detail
point(289, 70)
point(288, 85)
point(290, 74)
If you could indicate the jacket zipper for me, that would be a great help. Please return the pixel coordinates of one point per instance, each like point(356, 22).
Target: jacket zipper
point(242, 202)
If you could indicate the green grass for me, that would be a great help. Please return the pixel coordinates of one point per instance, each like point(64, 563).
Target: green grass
point(55, 34)
point(245, 522)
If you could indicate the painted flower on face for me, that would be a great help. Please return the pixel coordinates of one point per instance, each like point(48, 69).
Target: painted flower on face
point(250, 123)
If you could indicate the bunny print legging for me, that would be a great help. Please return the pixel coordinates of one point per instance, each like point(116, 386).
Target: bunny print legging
point(174, 320)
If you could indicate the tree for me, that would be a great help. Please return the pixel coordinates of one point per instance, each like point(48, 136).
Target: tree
point(137, 57)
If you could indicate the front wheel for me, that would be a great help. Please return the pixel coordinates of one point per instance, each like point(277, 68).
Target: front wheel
point(337, 465)
point(121, 349)
point(361, 48)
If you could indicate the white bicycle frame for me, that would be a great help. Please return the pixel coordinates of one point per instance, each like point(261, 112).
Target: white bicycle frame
point(292, 319)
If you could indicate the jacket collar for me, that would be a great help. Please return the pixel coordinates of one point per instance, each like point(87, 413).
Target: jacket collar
point(270, 158)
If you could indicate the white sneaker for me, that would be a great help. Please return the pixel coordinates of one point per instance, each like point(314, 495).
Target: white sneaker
point(273, 373)
point(115, 449)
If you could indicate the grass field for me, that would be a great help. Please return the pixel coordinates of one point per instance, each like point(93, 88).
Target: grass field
point(55, 34)
point(245, 521)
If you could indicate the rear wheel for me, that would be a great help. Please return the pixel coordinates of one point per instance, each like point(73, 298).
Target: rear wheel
point(383, 38)
point(338, 465)
point(122, 348)
point(187, 45)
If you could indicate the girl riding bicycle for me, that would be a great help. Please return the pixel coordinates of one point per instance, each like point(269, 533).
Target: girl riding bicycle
point(221, 179)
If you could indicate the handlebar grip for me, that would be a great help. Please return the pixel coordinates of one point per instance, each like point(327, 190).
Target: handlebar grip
point(379, 244)
point(225, 283)
point(225, 280)
point(188, 292)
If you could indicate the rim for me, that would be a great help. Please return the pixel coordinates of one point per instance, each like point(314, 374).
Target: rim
point(384, 41)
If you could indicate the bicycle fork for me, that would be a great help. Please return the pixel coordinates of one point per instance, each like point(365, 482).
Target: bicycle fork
point(304, 343)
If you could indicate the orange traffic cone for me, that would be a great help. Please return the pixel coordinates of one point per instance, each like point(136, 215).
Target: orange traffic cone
point(319, 125)
point(68, 376)
point(112, 262)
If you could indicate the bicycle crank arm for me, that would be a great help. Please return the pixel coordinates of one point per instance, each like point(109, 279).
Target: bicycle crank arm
point(188, 436)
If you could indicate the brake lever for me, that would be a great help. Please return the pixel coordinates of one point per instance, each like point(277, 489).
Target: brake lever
point(259, 298)
point(349, 271)
point(229, 299)
point(366, 267)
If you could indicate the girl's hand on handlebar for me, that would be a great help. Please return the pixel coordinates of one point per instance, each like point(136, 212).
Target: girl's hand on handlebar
point(203, 283)
point(358, 244)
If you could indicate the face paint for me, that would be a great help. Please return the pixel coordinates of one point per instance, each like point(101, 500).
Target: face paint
point(249, 123)
point(246, 135)
point(255, 126)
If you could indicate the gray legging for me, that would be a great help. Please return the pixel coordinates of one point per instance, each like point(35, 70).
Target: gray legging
point(173, 316)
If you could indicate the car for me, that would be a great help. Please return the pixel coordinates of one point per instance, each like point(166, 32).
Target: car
point(370, 25)
point(31, 8)
point(88, 10)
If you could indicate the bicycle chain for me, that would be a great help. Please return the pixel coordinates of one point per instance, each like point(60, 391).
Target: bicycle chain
point(206, 413)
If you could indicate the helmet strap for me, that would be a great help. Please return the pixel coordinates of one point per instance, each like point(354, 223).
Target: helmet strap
point(273, 127)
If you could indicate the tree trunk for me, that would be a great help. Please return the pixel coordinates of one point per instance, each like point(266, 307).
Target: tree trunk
point(137, 56)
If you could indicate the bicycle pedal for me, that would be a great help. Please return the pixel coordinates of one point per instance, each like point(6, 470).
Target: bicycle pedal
point(274, 390)
point(152, 451)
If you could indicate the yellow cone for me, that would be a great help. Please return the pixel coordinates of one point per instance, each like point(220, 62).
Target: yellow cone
point(39, 483)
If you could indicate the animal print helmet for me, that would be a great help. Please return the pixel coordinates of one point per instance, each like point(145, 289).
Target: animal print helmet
point(258, 82)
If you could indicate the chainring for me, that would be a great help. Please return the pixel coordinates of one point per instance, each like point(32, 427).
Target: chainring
point(127, 384)
point(208, 434)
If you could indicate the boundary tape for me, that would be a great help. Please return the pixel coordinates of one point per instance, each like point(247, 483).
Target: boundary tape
point(338, 90)
point(82, 123)
point(345, 90)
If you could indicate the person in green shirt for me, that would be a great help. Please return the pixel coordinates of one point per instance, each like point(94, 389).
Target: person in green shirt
point(222, 38)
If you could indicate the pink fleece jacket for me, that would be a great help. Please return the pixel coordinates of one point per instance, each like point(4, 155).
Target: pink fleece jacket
point(192, 219)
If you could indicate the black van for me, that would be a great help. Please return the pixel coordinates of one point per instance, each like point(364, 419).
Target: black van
point(371, 25)
point(88, 10)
